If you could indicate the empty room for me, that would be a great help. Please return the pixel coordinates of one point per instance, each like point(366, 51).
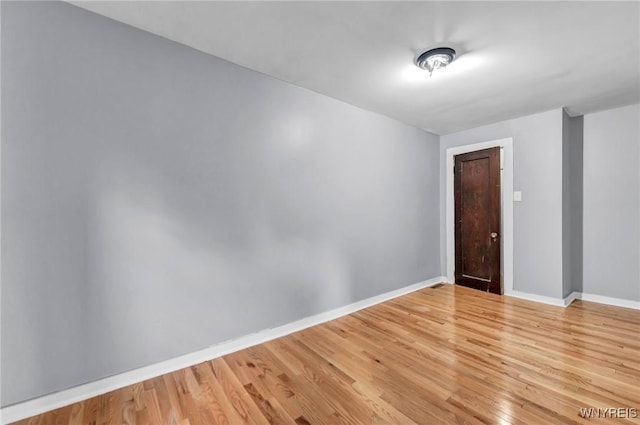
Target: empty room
point(319, 212)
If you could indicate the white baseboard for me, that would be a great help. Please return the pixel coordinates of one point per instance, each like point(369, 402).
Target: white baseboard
point(601, 299)
point(537, 298)
point(63, 398)
point(565, 302)
point(570, 298)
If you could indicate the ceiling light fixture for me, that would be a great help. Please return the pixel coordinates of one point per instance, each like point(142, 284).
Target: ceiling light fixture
point(435, 59)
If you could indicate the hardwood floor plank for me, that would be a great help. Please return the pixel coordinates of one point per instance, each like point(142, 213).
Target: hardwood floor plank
point(152, 406)
point(168, 391)
point(449, 355)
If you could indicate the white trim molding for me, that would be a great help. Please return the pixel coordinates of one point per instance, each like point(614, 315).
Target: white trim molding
point(506, 187)
point(559, 302)
point(63, 398)
point(570, 298)
point(601, 299)
point(565, 302)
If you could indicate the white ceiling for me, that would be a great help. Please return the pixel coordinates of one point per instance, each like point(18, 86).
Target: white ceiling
point(515, 58)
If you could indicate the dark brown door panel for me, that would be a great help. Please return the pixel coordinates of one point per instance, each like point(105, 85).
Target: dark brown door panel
point(477, 219)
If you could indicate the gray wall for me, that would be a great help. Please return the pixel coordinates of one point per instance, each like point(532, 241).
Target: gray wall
point(157, 200)
point(612, 203)
point(572, 208)
point(566, 208)
point(537, 150)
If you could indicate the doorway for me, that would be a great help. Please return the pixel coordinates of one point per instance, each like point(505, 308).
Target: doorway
point(506, 231)
point(477, 220)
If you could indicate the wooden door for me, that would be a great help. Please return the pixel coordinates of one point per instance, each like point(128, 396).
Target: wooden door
point(477, 218)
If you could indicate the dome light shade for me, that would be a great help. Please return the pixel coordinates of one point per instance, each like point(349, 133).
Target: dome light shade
point(435, 59)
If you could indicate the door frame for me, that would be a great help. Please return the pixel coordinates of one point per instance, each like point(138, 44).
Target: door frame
point(506, 208)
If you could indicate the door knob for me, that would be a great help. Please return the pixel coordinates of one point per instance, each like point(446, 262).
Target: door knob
point(493, 235)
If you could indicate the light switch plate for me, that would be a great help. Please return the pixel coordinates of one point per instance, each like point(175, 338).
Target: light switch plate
point(517, 196)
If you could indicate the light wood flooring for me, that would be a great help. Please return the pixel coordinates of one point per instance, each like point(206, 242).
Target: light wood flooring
point(446, 355)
